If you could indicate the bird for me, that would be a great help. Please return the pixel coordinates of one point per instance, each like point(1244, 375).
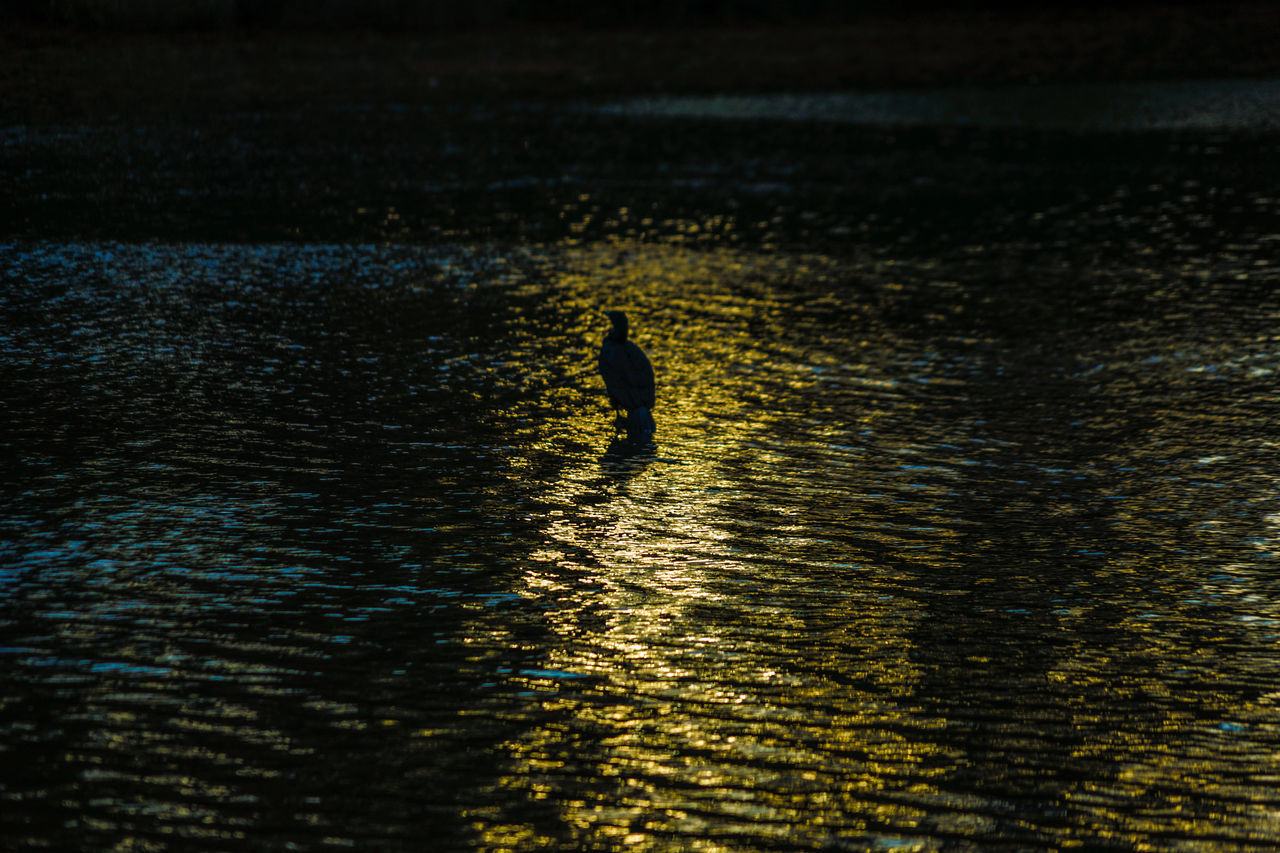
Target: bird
point(628, 380)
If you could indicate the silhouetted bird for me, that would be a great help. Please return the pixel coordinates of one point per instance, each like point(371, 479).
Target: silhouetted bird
point(628, 379)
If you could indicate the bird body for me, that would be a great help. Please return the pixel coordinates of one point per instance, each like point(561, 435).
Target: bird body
point(628, 378)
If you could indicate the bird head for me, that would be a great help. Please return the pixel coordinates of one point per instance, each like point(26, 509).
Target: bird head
point(619, 321)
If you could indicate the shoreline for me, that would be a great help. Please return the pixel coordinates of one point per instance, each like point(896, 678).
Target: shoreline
point(54, 75)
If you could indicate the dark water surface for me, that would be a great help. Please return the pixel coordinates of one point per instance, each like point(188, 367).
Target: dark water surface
point(960, 533)
point(1184, 104)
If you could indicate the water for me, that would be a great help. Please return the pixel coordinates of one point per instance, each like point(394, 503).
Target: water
point(1168, 105)
point(960, 531)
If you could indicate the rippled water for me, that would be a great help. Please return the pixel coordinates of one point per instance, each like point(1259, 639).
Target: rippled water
point(313, 546)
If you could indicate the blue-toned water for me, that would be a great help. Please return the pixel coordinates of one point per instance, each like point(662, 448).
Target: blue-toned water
point(960, 531)
point(1204, 105)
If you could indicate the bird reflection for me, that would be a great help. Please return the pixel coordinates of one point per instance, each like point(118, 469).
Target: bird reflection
point(624, 458)
point(628, 380)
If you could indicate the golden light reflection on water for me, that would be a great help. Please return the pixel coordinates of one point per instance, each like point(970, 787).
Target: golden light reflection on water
point(665, 578)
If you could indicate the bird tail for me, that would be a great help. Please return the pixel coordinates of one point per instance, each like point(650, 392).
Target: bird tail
point(640, 423)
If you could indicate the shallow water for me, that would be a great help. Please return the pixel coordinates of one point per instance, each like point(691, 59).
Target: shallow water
point(944, 543)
